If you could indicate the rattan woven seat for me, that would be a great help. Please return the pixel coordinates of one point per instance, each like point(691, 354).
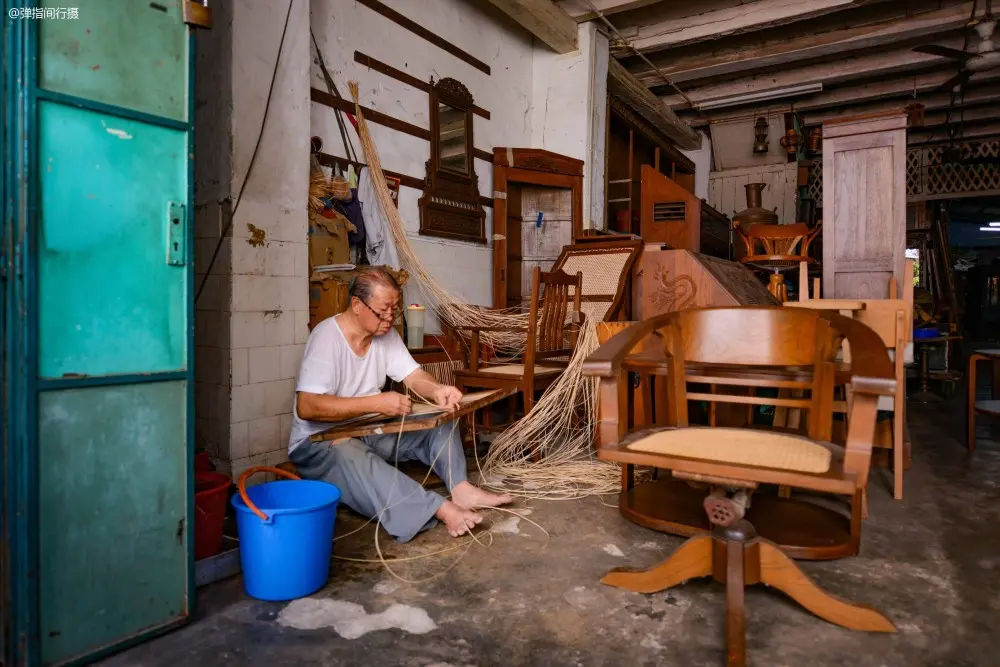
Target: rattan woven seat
point(765, 449)
point(516, 370)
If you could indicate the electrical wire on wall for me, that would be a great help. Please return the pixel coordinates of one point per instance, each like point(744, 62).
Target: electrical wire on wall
point(253, 157)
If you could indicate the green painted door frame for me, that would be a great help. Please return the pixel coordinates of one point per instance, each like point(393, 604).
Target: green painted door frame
point(97, 329)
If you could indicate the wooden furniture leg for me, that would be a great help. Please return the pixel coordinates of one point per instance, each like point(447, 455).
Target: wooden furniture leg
point(467, 426)
point(735, 579)
point(692, 560)
point(898, 410)
point(779, 571)
point(737, 557)
point(971, 415)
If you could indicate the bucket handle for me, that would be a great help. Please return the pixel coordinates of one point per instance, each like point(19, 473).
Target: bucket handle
point(242, 484)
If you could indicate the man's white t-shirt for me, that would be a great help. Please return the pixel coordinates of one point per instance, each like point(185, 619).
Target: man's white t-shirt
point(330, 366)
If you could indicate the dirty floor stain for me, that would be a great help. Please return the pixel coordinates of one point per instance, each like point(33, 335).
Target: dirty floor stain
point(350, 620)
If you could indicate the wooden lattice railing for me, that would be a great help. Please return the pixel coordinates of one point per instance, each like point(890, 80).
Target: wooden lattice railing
point(929, 177)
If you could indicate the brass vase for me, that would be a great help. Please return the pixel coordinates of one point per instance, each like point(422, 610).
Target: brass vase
point(754, 213)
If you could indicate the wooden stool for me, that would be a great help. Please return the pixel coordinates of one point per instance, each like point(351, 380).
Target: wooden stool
point(989, 407)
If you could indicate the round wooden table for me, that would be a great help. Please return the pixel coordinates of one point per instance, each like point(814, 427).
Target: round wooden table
point(985, 407)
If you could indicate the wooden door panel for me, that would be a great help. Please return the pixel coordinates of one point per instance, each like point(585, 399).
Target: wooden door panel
point(864, 213)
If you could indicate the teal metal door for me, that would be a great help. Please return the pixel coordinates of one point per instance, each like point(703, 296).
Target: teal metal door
point(98, 327)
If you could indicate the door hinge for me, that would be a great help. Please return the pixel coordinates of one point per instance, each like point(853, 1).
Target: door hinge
point(197, 13)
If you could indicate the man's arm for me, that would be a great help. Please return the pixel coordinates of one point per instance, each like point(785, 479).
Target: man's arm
point(327, 408)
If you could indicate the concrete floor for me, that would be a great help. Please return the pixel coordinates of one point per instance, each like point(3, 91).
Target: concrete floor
point(930, 562)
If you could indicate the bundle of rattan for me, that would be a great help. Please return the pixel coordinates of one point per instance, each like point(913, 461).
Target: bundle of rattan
point(319, 186)
point(561, 425)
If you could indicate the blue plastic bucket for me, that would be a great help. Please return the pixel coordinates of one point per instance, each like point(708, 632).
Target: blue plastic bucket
point(286, 554)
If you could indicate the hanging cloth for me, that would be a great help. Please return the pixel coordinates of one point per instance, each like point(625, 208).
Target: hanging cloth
point(351, 209)
point(378, 237)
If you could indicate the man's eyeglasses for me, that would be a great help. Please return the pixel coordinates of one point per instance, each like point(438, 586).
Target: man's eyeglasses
point(388, 317)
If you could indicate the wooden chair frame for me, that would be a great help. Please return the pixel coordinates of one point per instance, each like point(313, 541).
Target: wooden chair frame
point(550, 323)
point(697, 338)
point(778, 243)
point(892, 320)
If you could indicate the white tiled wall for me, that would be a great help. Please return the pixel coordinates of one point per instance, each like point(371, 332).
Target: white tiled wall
point(251, 323)
point(270, 309)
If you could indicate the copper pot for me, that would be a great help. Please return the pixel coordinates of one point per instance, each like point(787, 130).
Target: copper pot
point(815, 139)
point(791, 141)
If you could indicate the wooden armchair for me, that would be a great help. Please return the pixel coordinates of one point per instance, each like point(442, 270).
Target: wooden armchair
point(777, 248)
point(734, 462)
point(554, 321)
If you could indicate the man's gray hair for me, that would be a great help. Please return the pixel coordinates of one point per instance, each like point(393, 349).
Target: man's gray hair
point(363, 285)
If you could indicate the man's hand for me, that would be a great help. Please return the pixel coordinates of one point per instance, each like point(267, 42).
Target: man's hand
point(394, 405)
point(447, 397)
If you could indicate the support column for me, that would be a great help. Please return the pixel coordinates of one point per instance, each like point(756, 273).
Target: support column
point(251, 324)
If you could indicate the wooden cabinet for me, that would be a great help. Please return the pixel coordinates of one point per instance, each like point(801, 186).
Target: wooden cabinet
point(864, 205)
point(673, 215)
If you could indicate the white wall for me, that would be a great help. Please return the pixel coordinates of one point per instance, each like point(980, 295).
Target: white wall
point(343, 26)
point(251, 322)
point(702, 159)
point(568, 108)
point(536, 99)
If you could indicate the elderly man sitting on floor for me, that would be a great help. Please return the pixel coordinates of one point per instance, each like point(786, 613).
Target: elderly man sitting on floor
point(344, 368)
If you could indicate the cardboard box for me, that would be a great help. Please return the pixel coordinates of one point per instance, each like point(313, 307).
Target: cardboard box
point(328, 242)
point(328, 294)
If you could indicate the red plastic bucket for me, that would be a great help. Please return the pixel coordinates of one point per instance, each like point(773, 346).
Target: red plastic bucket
point(211, 491)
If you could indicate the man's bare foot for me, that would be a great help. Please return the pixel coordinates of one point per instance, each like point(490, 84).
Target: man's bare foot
point(470, 497)
point(458, 519)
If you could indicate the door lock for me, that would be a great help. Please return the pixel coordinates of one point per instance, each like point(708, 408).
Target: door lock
point(176, 234)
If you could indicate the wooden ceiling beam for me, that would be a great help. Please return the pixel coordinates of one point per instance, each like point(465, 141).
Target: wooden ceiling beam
point(978, 133)
point(776, 53)
point(545, 21)
point(580, 11)
point(827, 73)
point(637, 96)
point(989, 94)
point(676, 25)
point(849, 100)
point(942, 119)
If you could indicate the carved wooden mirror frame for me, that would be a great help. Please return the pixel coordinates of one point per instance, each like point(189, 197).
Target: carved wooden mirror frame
point(450, 206)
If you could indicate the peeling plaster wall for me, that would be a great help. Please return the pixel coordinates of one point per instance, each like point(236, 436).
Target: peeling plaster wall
point(342, 27)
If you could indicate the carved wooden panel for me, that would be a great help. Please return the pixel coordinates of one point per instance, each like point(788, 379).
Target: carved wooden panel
point(671, 280)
